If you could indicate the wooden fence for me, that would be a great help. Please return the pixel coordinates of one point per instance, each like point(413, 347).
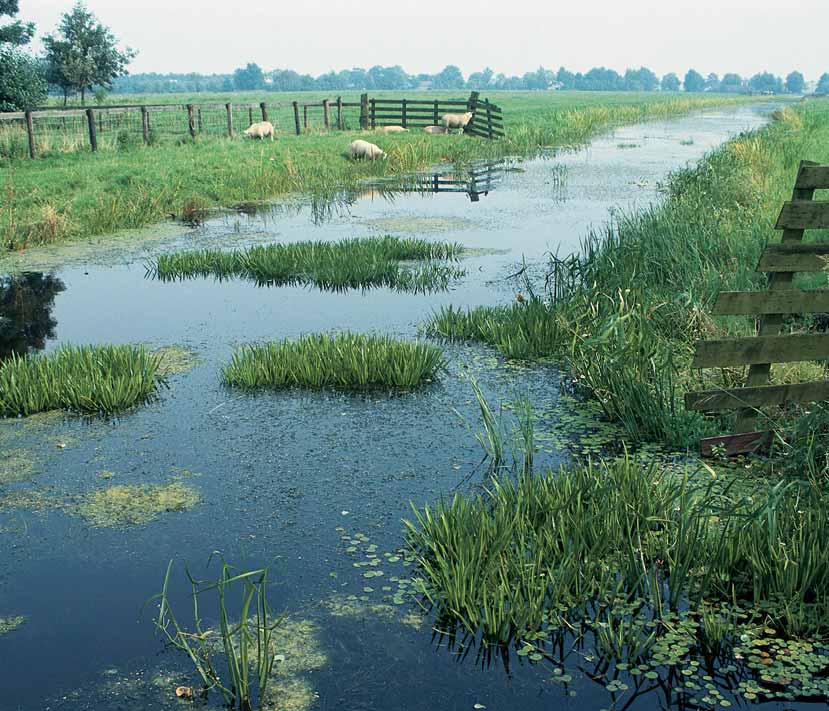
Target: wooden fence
point(771, 307)
point(476, 181)
point(487, 118)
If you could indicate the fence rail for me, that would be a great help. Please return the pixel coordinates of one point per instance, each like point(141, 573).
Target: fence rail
point(781, 261)
point(70, 128)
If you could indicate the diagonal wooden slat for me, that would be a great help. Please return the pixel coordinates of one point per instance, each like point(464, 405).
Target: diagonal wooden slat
point(803, 215)
point(813, 177)
point(763, 396)
point(796, 257)
point(786, 301)
point(761, 349)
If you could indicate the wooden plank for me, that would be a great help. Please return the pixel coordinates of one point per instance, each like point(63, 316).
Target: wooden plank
point(30, 133)
point(803, 215)
point(787, 301)
point(795, 257)
point(735, 444)
point(762, 396)
point(761, 349)
point(813, 177)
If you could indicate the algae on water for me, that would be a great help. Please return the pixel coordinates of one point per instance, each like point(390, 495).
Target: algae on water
point(15, 465)
point(122, 505)
point(176, 359)
point(10, 624)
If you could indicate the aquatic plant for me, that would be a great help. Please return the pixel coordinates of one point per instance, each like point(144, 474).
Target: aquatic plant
point(247, 645)
point(344, 360)
point(10, 624)
point(122, 505)
point(85, 379)
point(358, 263)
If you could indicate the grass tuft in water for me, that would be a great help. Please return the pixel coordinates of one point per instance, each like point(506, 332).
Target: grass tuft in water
point(358, 263)
point(85, 379)
point(345, 360)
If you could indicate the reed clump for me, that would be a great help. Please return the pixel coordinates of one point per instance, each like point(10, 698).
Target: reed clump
point(83, 379)
point(358, 263)
point(345, 360)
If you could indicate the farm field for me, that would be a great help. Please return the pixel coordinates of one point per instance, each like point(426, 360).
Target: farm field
point(309, 372)
point(68, 193)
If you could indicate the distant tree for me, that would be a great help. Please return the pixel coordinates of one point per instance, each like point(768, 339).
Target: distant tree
point(248, 78)
point(83, 54)
point(766, 83)
point(600, 79)
point(731, 84)
point(642, 79)
point(449, 77)
point(823, 84)
point(480, 80)
point(795, 83)
point(566, 79)
point(22, 80)
point(712, 82)
point(539, 79)
point(16, 33)
point(693, 81)
point(670, 82)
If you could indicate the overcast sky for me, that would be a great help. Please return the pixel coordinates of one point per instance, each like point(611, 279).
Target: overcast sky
point(314, 36)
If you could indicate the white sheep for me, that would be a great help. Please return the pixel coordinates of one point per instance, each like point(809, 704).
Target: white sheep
point(364, 149)
point(451, 121)
point(434, 129)
point(392, 129)
point(260, 130)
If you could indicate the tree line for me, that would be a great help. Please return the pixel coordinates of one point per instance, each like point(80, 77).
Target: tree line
point(82, 56)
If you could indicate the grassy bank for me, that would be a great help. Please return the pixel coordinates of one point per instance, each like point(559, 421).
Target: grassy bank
point(625, 313)
point(77, 194)
point(359, 263)
point(84, 379)
point(346, 360)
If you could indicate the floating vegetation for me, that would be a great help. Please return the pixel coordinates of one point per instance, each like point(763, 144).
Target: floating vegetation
point(359, 263)
point(15, 465)
point(10, 624)
point(174, 360)
point(419, 224)
point(125, 505)
point(85, 379)
point(344, 360)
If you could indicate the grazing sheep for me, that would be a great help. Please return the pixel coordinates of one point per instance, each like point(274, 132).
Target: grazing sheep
point(260, 130)
point(392, 129)
point(434, 129)
point(451, 121)
point(363, 149)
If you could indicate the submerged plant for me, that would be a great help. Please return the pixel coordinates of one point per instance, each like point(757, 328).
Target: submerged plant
point(344, 360)
point(86, 379)
point(247, 645)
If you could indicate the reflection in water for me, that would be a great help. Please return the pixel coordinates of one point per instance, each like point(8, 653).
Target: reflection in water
point(26, 302)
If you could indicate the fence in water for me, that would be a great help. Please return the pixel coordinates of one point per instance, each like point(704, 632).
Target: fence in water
point(49, 129)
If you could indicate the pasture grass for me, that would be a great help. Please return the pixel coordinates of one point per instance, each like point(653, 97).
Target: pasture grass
point(345, 360)
point(76, 194)
point(626, 311)
point(83, 379)
point(359, 263)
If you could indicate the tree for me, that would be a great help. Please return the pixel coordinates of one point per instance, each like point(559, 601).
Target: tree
point(731, 84)
point(480, 80)
point(566, 78)
point(642, 79)
point(766, 83)
point(670, 82)
point(249, 77)
point(693, 81)
point(449, 77)
point(26, 302)
point(823, 84)
point(712, 82)
point(83, 54)
point(539, 79)
point(795, 83)
point(22, 83)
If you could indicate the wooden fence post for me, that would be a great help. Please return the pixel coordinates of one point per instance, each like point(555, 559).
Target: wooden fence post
point(305, 116)
point(264, 109)
point(201, 122)
point(93, 138)
point(229, 108)
point(364, 111)
point(191, 121)
point(472, 105)
point(145, 125)
point(436, 113)
point(340, 113)
point(250, 116)
point(403, 116)
point(296, 118)
point(30, 131)
point(373, 113)
point(489, 119)
point(326, 112)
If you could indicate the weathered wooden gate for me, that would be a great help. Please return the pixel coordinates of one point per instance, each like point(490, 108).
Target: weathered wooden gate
point(771, 307)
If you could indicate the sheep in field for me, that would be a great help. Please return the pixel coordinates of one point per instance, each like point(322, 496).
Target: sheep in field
point(434, 129)
point(392, 129)
point(363, 149)
point(260, 130)
point(451, 121)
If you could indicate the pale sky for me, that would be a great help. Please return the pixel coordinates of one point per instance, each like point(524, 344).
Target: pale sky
point(315, 36)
